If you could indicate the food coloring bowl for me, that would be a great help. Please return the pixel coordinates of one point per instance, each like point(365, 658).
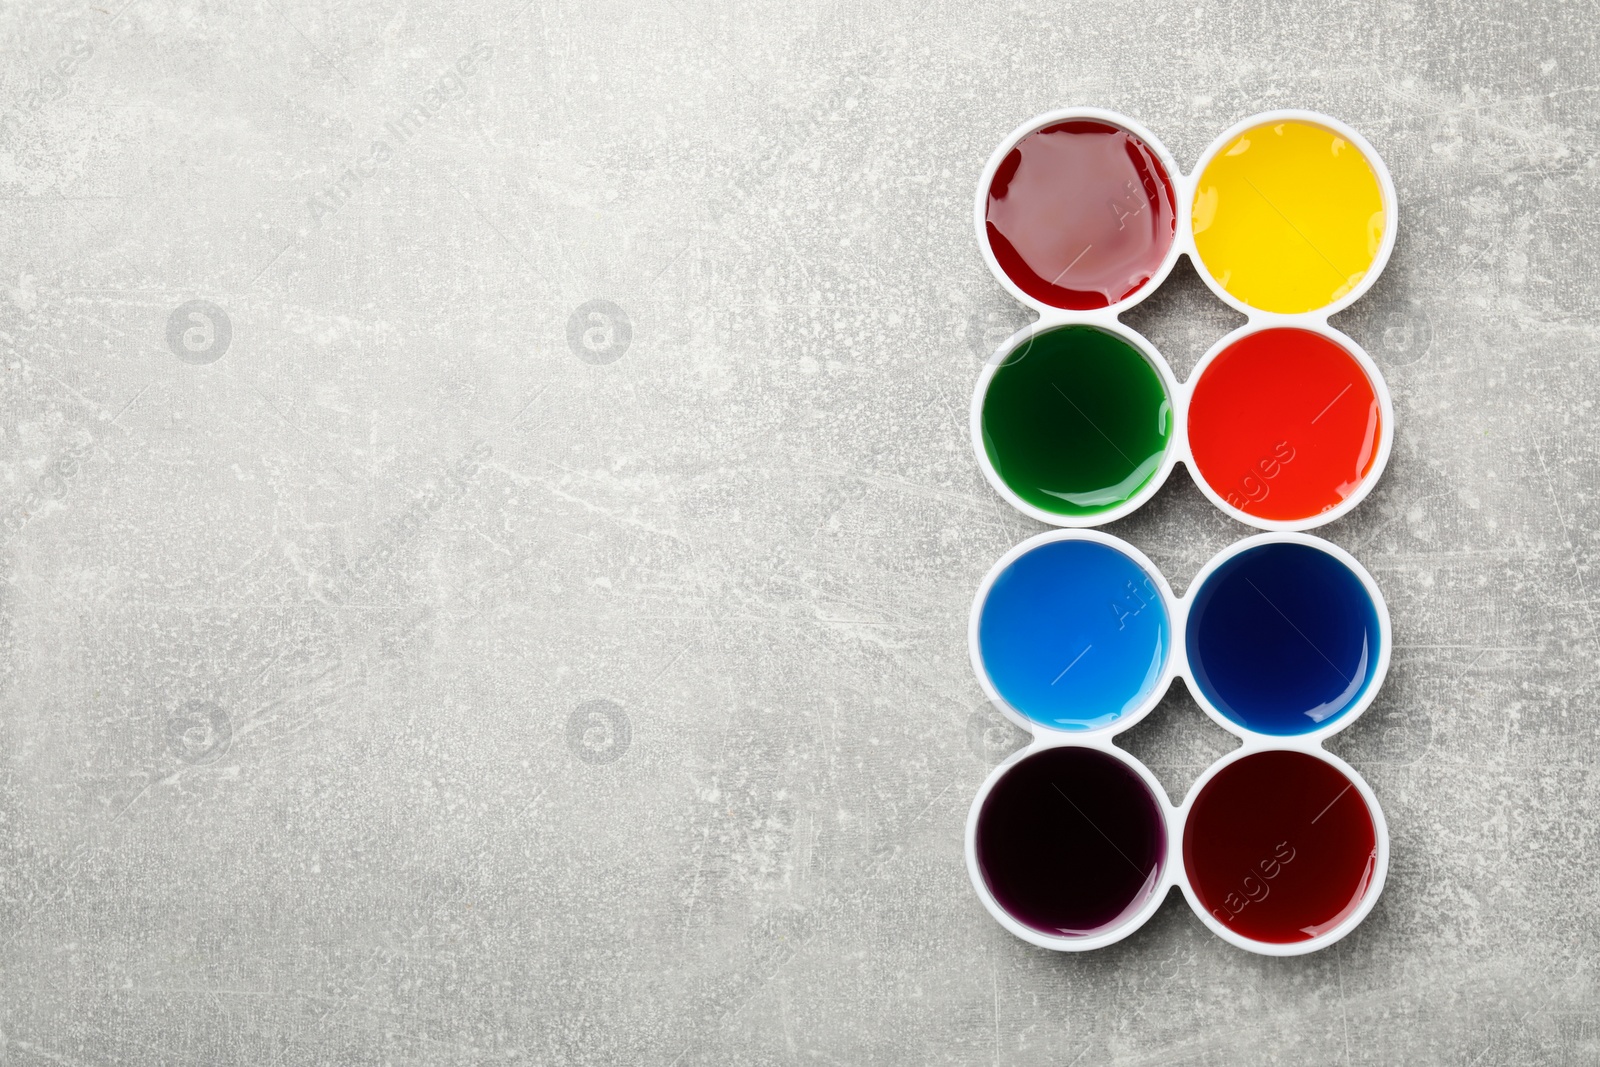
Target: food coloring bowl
point(1280, 635)
point(1280, 847)
point(1284, 850)
point(1283, 639)
point(1286, 423)
point(1070, 846)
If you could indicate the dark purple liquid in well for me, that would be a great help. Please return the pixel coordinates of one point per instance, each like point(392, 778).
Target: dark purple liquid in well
point(1071, 842)
point(1081, 214)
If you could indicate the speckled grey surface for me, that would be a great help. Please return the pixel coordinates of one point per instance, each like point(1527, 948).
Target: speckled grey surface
point(404, 660)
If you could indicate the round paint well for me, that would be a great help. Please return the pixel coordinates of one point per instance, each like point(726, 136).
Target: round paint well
point(1280, 847)
point(1081, 214)
point(1070, 842)
point(1288, 216)
point(1073, 634)
point(1283, 638)
point(1284, 424)
point(1075, 421)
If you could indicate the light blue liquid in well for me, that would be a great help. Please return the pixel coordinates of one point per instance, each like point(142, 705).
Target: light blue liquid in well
point(1074, 634)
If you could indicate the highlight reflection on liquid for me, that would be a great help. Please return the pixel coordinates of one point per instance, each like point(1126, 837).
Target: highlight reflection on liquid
point(1081, 214)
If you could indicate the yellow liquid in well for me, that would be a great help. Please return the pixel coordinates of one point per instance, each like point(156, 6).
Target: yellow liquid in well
point(1288, 217)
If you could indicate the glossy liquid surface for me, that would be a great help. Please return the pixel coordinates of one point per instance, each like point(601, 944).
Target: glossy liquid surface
point(1288, 217)
point(1076, 421)
point(1283, 638)
point(1073, 634)
point(1284, 424)
point(1071, 842)
point(1081, 214)
point(1280, 847)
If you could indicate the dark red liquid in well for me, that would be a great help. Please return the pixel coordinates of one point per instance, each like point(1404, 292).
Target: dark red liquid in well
point(1071, 841)
point(1280, 847)
point(1284, 424)
point(1081, 214)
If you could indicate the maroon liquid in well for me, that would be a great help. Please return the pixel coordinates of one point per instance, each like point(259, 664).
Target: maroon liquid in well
point(1071, 841)
point(1280, 847)
point(1081, 214)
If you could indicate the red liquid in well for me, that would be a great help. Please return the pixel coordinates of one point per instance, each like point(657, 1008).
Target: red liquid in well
point(1284, 424)
point(1280, 847)
point(1081, 214)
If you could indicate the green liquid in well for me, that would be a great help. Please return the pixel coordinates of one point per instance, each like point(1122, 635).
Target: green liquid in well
point(1076, 421)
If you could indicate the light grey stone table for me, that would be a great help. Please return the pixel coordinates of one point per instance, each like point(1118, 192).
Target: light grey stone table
point(404, 659)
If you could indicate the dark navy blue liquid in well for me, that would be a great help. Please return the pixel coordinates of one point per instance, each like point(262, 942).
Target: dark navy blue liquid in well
point(1282, 638)
point(1071, 841)
point(1073, 634)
